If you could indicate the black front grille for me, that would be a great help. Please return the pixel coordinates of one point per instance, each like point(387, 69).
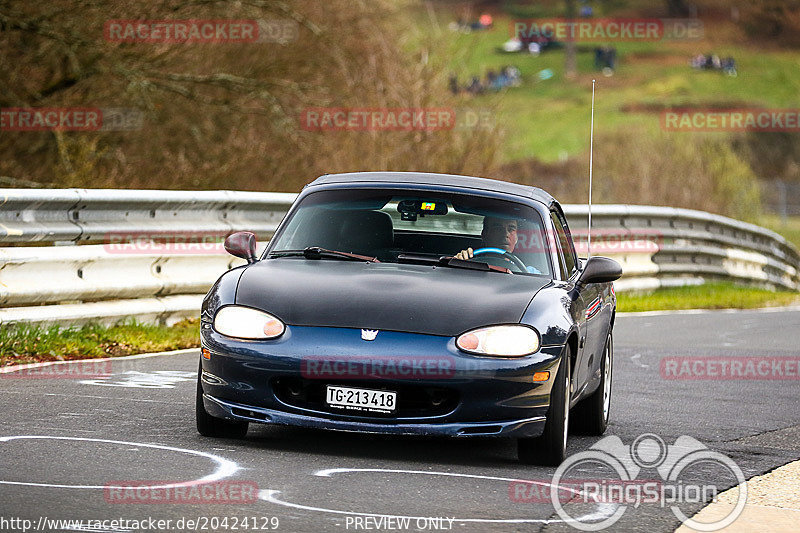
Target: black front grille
point(413, 401)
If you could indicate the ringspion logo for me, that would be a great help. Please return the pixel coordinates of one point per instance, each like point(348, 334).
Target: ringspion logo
point(690, 474)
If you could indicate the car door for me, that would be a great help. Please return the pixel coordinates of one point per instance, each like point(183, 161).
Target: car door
point(587, 299)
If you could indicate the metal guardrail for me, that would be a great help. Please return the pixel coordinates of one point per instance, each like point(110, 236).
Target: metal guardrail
point(91, 215)
point(690, 247)
point(102, 280)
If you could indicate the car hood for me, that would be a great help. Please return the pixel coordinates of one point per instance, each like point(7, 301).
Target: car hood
point(411, 298)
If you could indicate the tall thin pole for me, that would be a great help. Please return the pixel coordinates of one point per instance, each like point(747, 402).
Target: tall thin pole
point(591, 160)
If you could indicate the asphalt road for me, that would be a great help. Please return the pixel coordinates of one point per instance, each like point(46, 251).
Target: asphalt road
point(136, 422)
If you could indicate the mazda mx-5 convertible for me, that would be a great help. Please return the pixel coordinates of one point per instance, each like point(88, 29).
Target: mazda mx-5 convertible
point(412, 303)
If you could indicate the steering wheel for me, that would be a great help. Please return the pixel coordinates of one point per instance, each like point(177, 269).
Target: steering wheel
point(499, 252)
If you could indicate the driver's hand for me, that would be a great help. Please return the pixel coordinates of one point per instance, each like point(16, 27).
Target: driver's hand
point(464, 254)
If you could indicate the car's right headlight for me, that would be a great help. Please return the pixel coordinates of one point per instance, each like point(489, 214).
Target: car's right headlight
point(247, 323)
point(514, 340)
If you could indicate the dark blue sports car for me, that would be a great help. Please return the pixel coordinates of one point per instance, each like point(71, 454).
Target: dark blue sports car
point(413, 303)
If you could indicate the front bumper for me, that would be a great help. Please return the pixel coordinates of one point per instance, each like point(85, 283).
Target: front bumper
point(530, 427)
point(461, 395)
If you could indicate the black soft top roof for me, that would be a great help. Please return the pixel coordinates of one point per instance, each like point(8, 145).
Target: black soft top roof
point(425, 178)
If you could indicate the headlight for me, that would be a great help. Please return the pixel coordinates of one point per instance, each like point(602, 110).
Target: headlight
point(501, 341)
point(247, 323)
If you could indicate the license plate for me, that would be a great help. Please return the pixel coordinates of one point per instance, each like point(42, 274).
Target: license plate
point(377, 401)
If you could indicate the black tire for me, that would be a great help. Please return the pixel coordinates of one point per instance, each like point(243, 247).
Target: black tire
point(211, 426)
point(550, 448)
point(590, 416)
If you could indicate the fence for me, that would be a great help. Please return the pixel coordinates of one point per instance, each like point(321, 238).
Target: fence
point(64, 258)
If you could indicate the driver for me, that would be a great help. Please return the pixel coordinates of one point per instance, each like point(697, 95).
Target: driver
point(497, 233)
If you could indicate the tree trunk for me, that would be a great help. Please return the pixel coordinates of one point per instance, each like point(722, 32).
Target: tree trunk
point(570, 60)
point(677, 8)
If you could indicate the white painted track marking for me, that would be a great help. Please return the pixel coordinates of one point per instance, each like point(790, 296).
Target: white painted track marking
point(15, 368)
point(225, 468)
point(158, 379)
point(270, 495)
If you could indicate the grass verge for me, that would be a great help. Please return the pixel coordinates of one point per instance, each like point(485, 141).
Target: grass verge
point(21, 344)
point(789, 228)
point(708, 296)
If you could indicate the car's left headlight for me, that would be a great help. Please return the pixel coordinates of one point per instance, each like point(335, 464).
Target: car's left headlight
point(247, 323)
point(501, 341)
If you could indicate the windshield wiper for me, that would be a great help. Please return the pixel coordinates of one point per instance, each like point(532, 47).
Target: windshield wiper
point(425, 259)
point(450, 261)
point(315, 252)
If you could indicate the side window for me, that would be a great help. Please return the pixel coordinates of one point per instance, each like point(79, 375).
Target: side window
point(564, 244)
point(560, 251)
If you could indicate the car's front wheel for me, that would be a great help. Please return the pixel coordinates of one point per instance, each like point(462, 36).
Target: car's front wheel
point(550, 448)
point(591, 414)
point(211, 426)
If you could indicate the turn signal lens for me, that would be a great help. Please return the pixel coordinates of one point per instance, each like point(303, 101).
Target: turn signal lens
point(500, 341)
point(541, 376)
point(247, 323)
point(468, 342)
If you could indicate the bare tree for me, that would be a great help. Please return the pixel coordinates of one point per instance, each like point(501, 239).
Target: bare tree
point(221, 115)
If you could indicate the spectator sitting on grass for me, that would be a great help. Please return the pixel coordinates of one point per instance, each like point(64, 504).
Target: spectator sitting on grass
point(453, 84)
point(475, 86)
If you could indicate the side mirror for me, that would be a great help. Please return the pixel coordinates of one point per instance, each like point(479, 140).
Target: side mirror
point(600, 270)
point(242, 244)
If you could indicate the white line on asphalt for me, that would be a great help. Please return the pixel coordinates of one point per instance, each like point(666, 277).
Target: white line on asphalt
point(225, 468)
point(635, 358)
point(270, 495)
point(29, 393)
point(7, 369)
point(604, 511)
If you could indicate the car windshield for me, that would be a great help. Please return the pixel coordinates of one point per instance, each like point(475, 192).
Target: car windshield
point(407, 226)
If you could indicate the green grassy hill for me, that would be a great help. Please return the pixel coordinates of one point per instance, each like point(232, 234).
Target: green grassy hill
point(545, 123)
point(549, 119)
